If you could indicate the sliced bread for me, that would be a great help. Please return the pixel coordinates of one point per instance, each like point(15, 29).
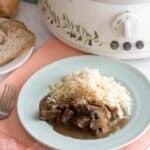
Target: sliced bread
point(15, 39)
point(12, 23)
point(3, 19)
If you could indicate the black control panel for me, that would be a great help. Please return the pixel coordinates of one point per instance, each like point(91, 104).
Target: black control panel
point(139, 44)
point(127, 46)
point(114, 45)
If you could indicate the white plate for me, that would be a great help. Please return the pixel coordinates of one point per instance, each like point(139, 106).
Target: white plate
point(12, 65)
point(37, 87)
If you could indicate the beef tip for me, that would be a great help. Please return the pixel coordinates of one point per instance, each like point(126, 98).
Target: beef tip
point(94, 108)
point(100, 127)
point(81, 106)
point(100, 110)
point(108, 112)
point(97, 113)
point(81, 122)
point(99, 123)
point(67, 116)
point(49, 115)
point(97, 103)
point(63, 107)
point(43, 104)
point(123, 122)
point(60, 107)
point(106, 130)
point(118, 123)
point(48, 112)
point(98, 133)
point(114, 123)
point(54, 107)
point(102, 132)
point(58, 120)
point(114, 113)
point(95, 124)
point(79, 102)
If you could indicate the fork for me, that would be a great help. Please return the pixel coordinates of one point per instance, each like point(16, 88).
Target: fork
point(7, 97)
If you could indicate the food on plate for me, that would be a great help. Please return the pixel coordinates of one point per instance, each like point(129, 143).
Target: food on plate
point(88, 102)
point(15, 39)
point(8, 8)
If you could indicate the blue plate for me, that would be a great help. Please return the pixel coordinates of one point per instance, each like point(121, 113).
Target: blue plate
point(37, 87)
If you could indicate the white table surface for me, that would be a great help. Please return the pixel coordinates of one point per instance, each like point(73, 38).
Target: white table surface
point(30, 15)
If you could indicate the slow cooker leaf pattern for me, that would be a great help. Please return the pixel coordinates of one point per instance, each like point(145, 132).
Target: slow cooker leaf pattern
point(64, 23)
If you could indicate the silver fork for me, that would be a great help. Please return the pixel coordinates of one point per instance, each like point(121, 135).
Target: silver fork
point(7, 98)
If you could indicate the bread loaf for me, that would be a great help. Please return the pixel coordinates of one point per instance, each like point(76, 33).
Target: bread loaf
point(15, 39)
point(8, 8)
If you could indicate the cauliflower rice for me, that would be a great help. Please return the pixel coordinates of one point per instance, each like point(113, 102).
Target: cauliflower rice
point(92, 86)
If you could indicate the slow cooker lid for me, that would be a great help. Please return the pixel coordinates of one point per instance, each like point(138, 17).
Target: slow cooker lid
point(123, 1)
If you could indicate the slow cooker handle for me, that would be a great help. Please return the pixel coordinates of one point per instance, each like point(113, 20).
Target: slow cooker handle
point(126, 25)
point(127, 29)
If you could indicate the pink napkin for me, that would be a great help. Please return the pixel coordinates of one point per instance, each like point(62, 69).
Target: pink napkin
point(12, 134)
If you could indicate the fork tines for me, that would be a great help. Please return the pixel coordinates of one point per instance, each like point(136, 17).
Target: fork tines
point(7, 98)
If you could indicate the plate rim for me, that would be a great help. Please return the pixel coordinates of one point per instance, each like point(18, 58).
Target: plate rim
point(72, 57)
point(27, 54)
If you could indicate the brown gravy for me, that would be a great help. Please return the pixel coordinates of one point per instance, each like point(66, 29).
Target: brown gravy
point(80, 134)
point(73, 132)
point(77, 133)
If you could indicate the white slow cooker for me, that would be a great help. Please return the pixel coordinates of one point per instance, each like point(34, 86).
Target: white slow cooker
point(116, 28)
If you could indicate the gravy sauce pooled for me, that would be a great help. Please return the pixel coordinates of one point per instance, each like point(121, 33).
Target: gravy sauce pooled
point(76, 126)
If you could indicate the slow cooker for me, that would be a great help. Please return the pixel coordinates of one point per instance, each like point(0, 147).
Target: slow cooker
point(116, 28)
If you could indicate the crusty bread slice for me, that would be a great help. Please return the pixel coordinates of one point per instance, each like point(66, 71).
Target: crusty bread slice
point(12, 23)
point(2, 19)
point(15, 40)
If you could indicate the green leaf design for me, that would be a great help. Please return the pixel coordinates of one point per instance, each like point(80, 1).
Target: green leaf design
point(68, 33)
point(96, 41)
point(88, 35)
point(72, 26)
point(78, 28)
point(45, 2)
point(55, 17)
point(83, 32)
point(86, 41)
point(67, 20)
point(63, 17)
point(74, 31)
point(79, 38)
point(50, 10)
point(43, 9)
point(58, 20)
point(96, 36)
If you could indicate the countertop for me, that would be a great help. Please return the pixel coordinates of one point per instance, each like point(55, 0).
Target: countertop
point(30, 15)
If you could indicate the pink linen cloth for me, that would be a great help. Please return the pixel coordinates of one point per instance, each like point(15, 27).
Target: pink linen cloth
point(12, 134)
